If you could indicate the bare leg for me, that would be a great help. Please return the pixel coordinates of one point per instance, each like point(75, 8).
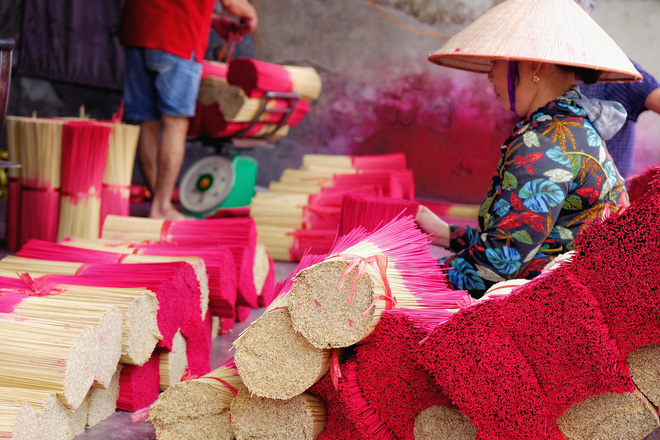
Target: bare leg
point(171, 150)
point(148, 151)
point(430, 223)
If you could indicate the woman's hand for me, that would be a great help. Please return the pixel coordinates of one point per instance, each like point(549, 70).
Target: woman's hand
point(430, 223)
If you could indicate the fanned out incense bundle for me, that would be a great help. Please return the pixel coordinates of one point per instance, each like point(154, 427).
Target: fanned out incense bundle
point(139, 385)
point(172, 363)
point(49, 356)
point(608, 416)
point(103, 402)
point(62, 305)
point(390, 378)
point(198, 408)
point(18, 421)
point(645, 370)
point(284, 366)
point(138, 307)
point(301, 417)
point(371, 212)
point(333, 305)
point(238, 234)
point(40, 144)
point(257, 77)
point(84, 153)
point(13, 209)
point(443, 422)
point(116, 192)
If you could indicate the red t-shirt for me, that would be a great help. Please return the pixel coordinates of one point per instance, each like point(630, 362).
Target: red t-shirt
point(178, 27)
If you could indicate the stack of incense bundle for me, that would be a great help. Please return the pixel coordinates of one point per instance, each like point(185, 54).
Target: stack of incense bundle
point(40, 144)
point(103, 401)
point(198, 408)
point(13, 216)
point(172, 363)
point(116, 192)
point(84, 154)
point(239, 235)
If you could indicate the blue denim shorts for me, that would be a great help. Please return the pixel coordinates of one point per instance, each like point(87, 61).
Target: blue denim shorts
point(158, 82)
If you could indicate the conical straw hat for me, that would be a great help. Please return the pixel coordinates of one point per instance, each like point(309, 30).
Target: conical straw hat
point(550, 31)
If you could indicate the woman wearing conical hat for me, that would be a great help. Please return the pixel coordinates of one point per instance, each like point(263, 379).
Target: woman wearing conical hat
point(555, 173)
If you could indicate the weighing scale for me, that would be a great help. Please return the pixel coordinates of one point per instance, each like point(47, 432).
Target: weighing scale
point(228, 179)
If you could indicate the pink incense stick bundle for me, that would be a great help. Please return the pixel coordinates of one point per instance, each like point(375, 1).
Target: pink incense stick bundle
point(46, 250)
point(371, 212)
point(220, 269)
point(243, 313)
point(314, 241)
point(639, 183)
point(349, 414)
point(334, 196)
point(268, 292)
point(395, 183)
point(392, 382)
point(558, 326)
point(227, 324)
point(609, 255)
point(13, 210)
point(84, 154)
point(479, 367)
point(393, 161)
point(139, 386)
point(316, 216)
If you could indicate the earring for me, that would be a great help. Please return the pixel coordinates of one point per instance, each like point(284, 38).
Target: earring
point(536, 78)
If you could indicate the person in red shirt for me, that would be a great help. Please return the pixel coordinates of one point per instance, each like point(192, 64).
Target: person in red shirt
point(164, 42)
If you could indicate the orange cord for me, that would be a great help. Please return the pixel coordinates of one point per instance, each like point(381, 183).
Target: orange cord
point(405, 26)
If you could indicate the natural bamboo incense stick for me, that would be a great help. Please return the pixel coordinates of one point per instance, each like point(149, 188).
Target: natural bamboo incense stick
point(122, 146)
point(84, 153)
point(645, 370)
point(34, 352)
point(194, 408)
point(393, 161)
point(443, 422)
point(13, 209)
point(172, 363)
point(11, 265)
point(103, 402)
point(18, 421)
point(301, 417)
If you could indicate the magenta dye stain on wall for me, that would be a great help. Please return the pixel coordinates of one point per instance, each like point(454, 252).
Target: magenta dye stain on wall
point(449, 126)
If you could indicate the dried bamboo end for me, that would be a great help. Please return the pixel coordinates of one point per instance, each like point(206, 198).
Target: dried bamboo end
point(302, 417)
point(110, 337)
point(609, 416)
point(277, 362)
point(54, 419)
point(78, 419)
point(320, 309)
point(26, 426)
point(103, 402)
point(260, 268)
point(173, 363)
point(443, 422)
point(213, 426)
point(644, 365)
point(141, 332)
point(81, 367)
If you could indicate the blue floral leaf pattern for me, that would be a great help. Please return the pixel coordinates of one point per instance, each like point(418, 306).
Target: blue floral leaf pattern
point(502, 207)
point(540, 195)
point(464, 276)
point(506, 259)
point(593, 138)
point(556, 154)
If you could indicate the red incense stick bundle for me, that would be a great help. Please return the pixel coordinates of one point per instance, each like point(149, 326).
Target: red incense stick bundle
point(392, 382)
point(139, 386)
point(371, 212)
point(84, 153)
point(639, 183)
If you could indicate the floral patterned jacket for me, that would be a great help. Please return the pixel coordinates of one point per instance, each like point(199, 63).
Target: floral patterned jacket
point(554, 176)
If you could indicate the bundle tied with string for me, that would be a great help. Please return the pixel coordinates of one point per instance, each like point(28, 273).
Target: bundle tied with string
point(40, 143)
point(138, 307)
point(198, 407)
point(30, 299)
point(84, 153)
point(48, 355)
point(116, 191)
point(281, 366)
point(338, 302)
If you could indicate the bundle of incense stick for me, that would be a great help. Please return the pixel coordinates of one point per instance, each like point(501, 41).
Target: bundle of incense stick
point(198, 408)
point(90, 253)
point(264, 276)
point(338, 302)
point(84, 153)
point(103, 402)
point(172, 363)
point(240, 108)
point(11, 265)
point(301, 417)
point(443, 422)
point(281, 367)
point(139, 385)
point(13, 209)
point(371, 212)
point(394, 161)
point(138, 307)
point(116, 192)
point(644, 371)
point(48, 355)
point(639, 183)
point(257, 77)
point(238, 234)
point(40, 144)
point(61, 304)
point(18, 421)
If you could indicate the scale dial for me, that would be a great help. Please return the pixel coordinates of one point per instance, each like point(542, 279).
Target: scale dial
point(206, 184)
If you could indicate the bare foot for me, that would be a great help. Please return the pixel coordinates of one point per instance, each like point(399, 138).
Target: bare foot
point(169, 214)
